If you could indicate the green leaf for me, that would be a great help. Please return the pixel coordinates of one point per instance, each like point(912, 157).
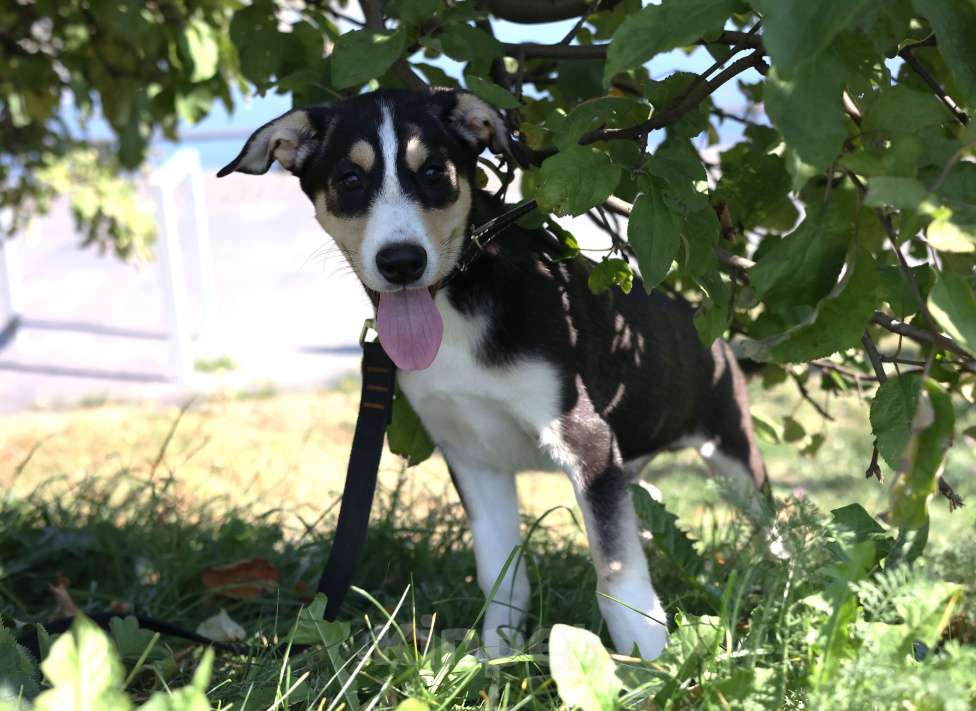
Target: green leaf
point(793, 431)
point(611, 272)
point(415, 12)
point(604, 111)
point(808, 109)
point(204, 51)
point(799, 31)
point(855, 519)
point(906, 193)
point(659, 28)
point(712, 316)
point(412, 705)
point(932, 430)
point(765, 429)
point(570, 247)
point(260, 47)
point(365, 54)
point(903, 109)
point(312, 628)
point(892, 412)
point(84, 672)
point(18, 673)
point(666, 535)
point(189, 698)
point(834, 325)
point(896, 292)
point(131, 641)
point(802, 268)
point(405, 435)
point(954, 24)
point(654, 232)
point(464, 43)
point(491, 92)
point(953, 304)
point(575, 180)
point(585, 675)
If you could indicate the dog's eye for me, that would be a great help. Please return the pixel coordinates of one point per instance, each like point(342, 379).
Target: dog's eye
point(433, 172)
point(350, 181)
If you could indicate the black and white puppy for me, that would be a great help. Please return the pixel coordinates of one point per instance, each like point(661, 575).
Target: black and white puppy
point(514, 364)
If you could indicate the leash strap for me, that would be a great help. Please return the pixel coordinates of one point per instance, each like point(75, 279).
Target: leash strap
point(375, 409)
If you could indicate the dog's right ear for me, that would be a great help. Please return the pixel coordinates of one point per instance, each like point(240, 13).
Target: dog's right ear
point(288, 139)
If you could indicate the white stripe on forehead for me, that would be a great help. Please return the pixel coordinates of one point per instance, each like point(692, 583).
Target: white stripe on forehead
point(388, 147)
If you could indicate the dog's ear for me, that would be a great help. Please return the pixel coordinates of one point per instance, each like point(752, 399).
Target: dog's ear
point(288, 139)
point(473, 120)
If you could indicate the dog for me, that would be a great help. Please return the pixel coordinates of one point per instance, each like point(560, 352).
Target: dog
point(512, 364)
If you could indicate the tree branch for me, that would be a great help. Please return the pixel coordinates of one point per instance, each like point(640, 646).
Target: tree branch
point(920, 335)
point(666, 116)
point(531, 12)
point(535, 50)
point(907, 54)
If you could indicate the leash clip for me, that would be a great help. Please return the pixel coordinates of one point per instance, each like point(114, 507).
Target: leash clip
point(368, 325)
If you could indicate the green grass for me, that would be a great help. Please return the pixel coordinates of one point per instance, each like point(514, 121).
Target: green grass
point(128, 507)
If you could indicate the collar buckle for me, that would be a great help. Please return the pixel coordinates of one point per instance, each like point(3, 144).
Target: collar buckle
point(368, 325)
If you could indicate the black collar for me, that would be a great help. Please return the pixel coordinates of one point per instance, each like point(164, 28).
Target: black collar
point(479, 237)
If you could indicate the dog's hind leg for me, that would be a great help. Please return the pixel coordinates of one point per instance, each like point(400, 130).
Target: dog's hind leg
point(583, 445)
point(728, 441)
point(491, 504)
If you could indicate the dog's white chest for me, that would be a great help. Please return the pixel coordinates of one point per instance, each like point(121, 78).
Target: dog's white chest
point(479, 416)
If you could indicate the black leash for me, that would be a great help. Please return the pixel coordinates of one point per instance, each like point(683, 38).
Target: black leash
point(375, 410)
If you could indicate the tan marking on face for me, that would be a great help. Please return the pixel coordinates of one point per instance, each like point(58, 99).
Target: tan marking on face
point(363, 155)
point(348, 232)
point(445, 226)
point(416, 153)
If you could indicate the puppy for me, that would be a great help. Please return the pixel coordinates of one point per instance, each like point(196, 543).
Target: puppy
point(512, 363)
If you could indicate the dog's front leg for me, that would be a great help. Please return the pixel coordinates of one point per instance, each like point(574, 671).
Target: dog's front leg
point(491, 504)
point(585, 447)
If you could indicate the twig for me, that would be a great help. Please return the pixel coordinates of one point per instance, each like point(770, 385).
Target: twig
point(665, 117)
point(872, 350)
point(874, 356)
point(907, 53)
point(806, 396)
point(571, 35)
point(537, 50)
point(932, 334)
point(919, 335)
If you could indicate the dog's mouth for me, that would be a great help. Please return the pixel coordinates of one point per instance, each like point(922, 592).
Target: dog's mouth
point(410, 326)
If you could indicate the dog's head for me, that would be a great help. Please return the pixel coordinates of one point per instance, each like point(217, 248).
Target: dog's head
point(391, 175)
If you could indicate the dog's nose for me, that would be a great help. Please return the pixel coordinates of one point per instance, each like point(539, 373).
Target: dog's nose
point(402, 263)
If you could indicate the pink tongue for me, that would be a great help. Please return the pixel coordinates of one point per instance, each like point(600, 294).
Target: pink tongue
point(410, 327)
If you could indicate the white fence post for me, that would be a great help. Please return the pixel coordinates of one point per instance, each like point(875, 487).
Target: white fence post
point(9, 288)
point(170, 256)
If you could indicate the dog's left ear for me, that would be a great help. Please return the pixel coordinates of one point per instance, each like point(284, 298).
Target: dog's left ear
point(288, 139)
point(473, 120)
